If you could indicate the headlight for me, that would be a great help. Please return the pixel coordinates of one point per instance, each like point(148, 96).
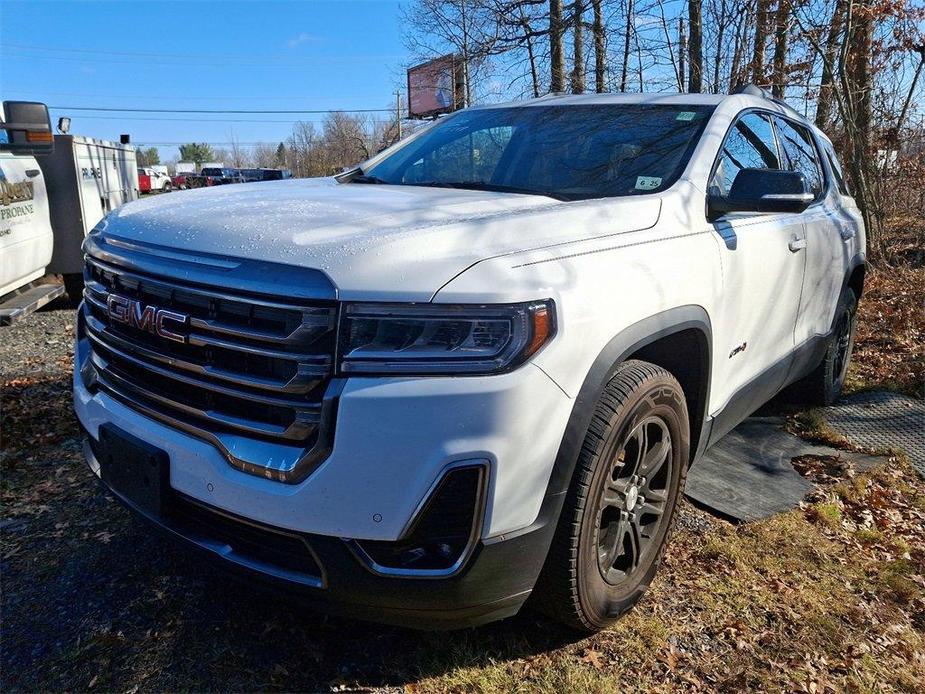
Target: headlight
point(442, 339)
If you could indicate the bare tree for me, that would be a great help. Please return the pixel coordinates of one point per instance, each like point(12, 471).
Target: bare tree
point(578, 52)
point(781, 30)
point(762, 13)
point(556, 54)
point(600, 48)
point(695, 45)
point(626, 44)
point(824, 104)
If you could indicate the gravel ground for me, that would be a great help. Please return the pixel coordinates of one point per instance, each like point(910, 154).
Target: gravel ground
point(92, 599)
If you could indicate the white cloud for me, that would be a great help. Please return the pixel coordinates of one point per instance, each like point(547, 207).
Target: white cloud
point(304, 37)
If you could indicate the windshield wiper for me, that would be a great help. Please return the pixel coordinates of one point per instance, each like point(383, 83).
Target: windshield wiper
point(364, 178)
point(493, 187)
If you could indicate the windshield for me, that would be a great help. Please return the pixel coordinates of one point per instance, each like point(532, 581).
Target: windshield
point(568, 152)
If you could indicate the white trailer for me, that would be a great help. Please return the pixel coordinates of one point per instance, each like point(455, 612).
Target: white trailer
point(86, 179)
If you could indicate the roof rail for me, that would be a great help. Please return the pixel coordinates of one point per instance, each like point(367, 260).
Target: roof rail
point(755, 90)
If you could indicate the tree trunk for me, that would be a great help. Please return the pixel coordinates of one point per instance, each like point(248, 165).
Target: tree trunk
point(781, 27)
point(695, 46)
point(600, 49)
point(762, 13)
point(467, 89)
point(578, 56)
point(531, 52)
point(723, 23)
point(859, 68)
point(556, 55)
point(738, 71)
point(824, 104)
point(626, 45)
point(682, 52)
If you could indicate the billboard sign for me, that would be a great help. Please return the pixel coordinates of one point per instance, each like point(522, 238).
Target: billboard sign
point(434, 87)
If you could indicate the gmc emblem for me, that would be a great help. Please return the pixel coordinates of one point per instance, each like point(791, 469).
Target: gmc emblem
point(148, 318)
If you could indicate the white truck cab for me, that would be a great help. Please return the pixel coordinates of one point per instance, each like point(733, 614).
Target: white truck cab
point(53, 190)
point(26, 237)
point(477, 367)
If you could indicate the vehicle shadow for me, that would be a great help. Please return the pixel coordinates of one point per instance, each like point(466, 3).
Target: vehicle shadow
point(95, 595)
point(255, 639)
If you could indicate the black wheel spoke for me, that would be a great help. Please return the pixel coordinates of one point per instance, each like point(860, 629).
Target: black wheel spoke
point(656, 457)
point(633, 544)
point(634, 499)
point(614, 493)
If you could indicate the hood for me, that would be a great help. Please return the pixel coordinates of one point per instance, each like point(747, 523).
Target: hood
point(374, 241)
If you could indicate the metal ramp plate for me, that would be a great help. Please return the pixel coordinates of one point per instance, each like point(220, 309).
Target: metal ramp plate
point(21, 305)
point(747, 475)
point(882, 419)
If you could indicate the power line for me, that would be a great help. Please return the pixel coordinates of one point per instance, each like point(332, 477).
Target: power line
point(288, 58)
point(204, 121)
point(206, 110)
point(198, 142)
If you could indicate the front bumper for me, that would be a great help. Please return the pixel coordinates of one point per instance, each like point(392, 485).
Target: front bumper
point(326, 572)
point(394, 440)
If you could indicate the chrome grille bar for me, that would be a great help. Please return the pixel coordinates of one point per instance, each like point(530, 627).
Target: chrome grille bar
point(247, 366)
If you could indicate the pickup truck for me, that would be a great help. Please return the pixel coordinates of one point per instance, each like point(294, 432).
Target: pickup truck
point(475, 369)
point(150, 180)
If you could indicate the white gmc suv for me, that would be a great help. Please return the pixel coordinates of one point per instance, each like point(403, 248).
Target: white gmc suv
point(476, 368)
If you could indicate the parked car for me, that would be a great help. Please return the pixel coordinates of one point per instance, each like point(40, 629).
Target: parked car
point(476, 368)
point(153, 180)
point(213, 176)
point(251, 175)
point(275, 174)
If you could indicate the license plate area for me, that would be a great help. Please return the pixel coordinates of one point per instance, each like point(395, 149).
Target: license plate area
point(134, 469)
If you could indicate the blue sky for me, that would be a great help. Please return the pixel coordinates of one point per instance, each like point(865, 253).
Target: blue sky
point(342, 54)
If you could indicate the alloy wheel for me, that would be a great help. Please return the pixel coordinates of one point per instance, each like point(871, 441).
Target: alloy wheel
point(634, 501)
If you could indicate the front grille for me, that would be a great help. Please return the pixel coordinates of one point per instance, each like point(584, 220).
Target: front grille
point(251, 368)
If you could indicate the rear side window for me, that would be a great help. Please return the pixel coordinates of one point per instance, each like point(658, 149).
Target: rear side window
point(836, 169)
point(800, 153)
point(750, 144)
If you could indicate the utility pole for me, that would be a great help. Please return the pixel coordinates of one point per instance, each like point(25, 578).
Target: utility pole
point(398, 111)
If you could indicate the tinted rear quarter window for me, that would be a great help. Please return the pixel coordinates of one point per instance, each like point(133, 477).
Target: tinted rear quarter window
point(836, 169)
point(801, 154)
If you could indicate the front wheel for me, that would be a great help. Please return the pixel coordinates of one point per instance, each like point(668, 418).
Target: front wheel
point(621, 503)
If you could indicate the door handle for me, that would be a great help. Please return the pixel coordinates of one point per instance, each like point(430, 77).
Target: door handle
point(846, 234)
point(32, 173)
point(797, 245)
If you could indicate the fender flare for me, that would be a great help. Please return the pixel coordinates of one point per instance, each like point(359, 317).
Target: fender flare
point(621, 346)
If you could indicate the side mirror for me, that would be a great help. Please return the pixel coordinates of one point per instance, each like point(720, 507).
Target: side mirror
point(28, 128)
point(762, 190)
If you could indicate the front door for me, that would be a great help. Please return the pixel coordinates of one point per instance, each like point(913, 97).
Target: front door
point(763, 263)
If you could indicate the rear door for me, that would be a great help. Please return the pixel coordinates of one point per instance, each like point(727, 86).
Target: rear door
point(827, 230)
point(763, 270)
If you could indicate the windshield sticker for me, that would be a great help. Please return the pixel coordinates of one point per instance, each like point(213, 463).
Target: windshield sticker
point(648, 182)
point(685, 115)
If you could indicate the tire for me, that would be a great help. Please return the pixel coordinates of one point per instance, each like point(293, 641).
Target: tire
point(74, 286)
point(824, 385)
point(600, 561)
